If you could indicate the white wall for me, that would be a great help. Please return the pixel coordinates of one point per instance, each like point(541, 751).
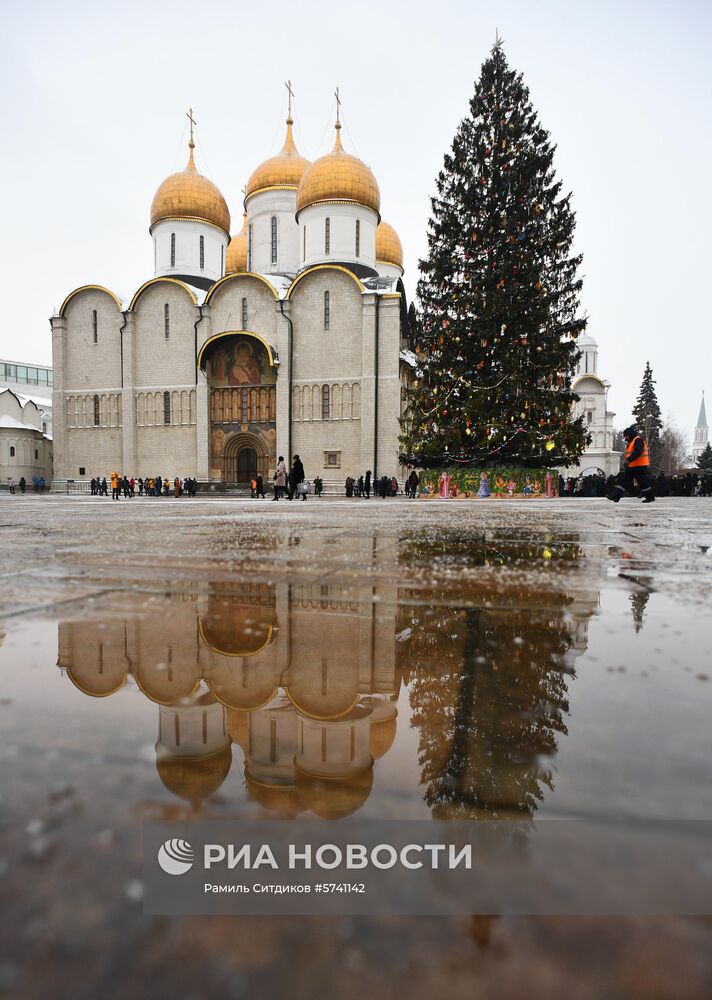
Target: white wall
point(261, 208)
point(187, 255)
point(343, 217)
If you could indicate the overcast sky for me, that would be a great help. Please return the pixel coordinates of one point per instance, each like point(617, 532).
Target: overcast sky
point(93, 118)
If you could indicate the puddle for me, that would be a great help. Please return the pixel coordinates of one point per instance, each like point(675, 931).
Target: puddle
point(358, 677)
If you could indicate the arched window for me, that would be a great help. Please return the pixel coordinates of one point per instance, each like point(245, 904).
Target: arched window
point(44, 427)
point(244, 314)
point(202, 253)
point(12, 451)
point(327, 236)
point(166, 407)
point(249, 247)
point(325, 402)
point(97, 412)
point(327, 311)
point(358, 238)
point(173, 249)
point(95, 326)
point(166, 321)
point(273, 235)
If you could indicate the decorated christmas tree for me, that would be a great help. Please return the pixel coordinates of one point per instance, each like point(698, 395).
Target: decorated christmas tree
point(704, 459)
point(499, 295)
point(647, 412)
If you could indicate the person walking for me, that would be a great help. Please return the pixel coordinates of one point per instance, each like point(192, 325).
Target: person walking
point(637, 468)
point(114, 486)
point(23, 484)
point(296, 477)
point(11, 484)
point(367, 485)
point(413, 484)
point(280, 478)
point(259, 487)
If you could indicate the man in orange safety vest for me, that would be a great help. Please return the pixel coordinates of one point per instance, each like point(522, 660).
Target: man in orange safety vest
point(636, 469)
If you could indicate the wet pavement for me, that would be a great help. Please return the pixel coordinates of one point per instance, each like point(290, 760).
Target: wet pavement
point(166, 658)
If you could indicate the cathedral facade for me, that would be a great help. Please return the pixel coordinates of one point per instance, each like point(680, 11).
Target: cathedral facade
point(286, 338)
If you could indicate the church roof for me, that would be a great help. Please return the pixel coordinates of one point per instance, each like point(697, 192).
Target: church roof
point(702, 419)
point(189, 195)
point(285, 170)
point(338, 176)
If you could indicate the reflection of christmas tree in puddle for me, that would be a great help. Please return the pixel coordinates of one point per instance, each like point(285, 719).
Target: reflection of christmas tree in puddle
point(301, 678)
point(488, 686)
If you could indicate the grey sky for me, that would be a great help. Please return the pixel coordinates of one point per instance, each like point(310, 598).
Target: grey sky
point(94, 98)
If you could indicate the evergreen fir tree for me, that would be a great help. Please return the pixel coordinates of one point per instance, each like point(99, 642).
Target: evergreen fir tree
point(498, 294)
point(647, 412)
point(704, 459)
point(412, 328)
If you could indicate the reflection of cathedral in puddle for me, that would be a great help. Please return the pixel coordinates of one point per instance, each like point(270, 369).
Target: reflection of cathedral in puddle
point(302, 677)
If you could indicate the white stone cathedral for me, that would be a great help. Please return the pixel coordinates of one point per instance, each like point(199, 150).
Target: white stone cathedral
point(288, 338)
point(592, 405)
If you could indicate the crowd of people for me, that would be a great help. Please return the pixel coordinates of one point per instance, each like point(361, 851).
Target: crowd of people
point(38, 484)
point(684, 484)
point(150, 486)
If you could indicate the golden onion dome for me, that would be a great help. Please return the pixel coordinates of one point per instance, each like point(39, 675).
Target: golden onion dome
point(194, 779)
point(334, 798)
point(389, 249)
point(236, 257)
point(284, 170)
point(338, 176)
point(189, 195)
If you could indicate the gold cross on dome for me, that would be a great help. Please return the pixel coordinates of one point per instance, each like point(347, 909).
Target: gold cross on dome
point(290, 92)
point(338, 106)
point(189, 116)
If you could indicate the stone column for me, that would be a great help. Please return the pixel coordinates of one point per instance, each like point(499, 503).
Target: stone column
point(283, 376)
point(202, 395)
point(128, 404)
point(59, 406)
point(368, 382)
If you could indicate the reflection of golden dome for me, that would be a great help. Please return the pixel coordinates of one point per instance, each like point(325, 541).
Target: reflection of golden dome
point(189, 195)
point(381, 736)
point(388, 245)
point(334, 798)
point(236, 257)
point(284, 170)
point(281, 799)
point(338, 176)
point(195, 778)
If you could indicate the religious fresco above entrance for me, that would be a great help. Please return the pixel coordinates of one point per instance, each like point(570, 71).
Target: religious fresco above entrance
point(240, 361)
point(243, 410)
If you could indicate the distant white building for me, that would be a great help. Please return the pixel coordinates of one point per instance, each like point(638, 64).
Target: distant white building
point(701, 434)
point(33, 382)
point(593, 406)
point(24, 449)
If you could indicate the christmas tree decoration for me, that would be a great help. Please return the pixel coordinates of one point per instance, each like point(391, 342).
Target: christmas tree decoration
point(499, 316)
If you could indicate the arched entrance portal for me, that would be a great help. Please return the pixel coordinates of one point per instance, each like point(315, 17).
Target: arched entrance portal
point(242, 385)
point(244, 457)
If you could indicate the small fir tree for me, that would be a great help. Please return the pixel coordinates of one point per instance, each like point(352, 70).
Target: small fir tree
point(647, 414)
point(704, 459)
point(498, 293)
